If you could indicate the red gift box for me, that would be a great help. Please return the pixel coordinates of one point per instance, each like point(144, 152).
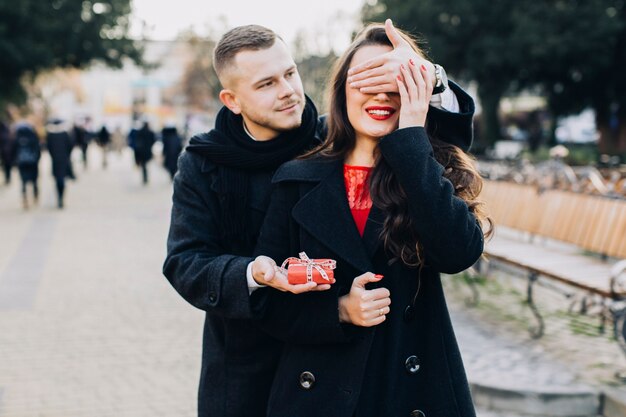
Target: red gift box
point(302, 270)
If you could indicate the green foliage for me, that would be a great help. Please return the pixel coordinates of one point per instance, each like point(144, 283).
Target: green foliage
point(473, 40)
point(41, 35)
point(573, 51)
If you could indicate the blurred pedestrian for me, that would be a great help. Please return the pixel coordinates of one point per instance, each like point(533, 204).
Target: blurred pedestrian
point(7, 151)
point(117, 140)
point(59, 146)
point(81, 139)
point(27, 155)
point(172, 147)
point(143, 140)
point(103, 139)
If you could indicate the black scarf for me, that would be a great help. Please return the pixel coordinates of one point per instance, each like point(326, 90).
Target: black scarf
point(237, 156)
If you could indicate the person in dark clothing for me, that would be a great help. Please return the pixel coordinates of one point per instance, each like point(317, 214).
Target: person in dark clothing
point(27, 155)
point(221, 195)
point(7, 151)
point(143, 139)
point(59, 146)
point(394, 206)
point(81, 139)
point(103, 139)
point(172, 147)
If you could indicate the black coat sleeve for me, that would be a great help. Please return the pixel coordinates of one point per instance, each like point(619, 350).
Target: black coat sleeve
point(309, 318)
point(449, 233)
point(197, 265)
point(453, 127)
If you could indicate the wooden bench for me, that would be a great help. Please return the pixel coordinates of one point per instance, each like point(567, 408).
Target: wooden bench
point(575, 239)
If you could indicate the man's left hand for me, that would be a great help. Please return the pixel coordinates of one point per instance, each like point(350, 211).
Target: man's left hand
point(378, 75)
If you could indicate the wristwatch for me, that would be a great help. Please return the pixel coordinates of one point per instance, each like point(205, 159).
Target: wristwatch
point(441, 80)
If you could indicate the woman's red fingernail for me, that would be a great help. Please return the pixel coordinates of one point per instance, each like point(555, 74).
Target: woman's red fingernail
point(411, 62)
point(399, 78)
point(378, 276)
point(402, 66)
point(423, 67)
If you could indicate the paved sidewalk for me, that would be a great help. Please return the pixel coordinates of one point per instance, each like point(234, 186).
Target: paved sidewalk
point(89, 327)
point(563, 373)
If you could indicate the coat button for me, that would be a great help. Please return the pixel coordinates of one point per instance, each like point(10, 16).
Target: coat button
point(212, 297)
point(409, 313)
point(412, 364)
point(417, 413)
point(307, 379)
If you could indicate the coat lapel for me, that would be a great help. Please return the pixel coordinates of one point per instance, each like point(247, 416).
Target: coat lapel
point(324, 213)
point(373, 227)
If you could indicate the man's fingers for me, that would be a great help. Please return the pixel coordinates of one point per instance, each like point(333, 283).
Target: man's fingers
point(382, 88)
point(268, 274)
point(321, 287)
point(372, 63)
point(368, 82)
point(393, 34)
point(300, 288)
point(364, 75)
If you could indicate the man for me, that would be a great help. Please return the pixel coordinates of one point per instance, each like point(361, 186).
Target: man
point(59, 146)
point(221, 194)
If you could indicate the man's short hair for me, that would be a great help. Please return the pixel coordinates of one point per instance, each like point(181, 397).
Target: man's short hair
point(241, 38)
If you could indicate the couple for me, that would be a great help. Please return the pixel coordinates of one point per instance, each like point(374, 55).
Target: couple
point(385, 188)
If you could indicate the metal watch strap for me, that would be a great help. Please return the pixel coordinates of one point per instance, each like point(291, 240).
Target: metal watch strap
point(440, 85)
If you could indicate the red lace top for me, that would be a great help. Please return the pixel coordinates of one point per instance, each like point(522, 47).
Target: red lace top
point(357, 189)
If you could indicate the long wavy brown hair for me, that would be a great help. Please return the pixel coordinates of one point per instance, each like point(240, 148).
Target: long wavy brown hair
point(398, 233)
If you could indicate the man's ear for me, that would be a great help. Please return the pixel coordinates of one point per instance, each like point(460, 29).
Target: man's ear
point(229, 99)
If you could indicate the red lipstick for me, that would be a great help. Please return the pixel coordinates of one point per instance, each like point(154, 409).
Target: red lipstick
point(380, 112)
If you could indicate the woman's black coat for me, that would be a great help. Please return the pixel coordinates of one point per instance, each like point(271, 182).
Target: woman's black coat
point(410, 362)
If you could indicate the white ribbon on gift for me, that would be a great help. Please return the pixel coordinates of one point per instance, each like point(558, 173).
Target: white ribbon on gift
point(310, 264)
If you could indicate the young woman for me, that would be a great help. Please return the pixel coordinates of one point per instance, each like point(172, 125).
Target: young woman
point(394, 207)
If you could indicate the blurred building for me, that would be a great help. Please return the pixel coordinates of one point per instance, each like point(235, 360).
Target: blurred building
point(116, 97)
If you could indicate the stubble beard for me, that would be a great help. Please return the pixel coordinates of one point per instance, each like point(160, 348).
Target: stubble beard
point(276, 123)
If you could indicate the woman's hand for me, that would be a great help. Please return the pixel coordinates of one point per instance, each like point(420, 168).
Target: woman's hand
point(363, 307)
point(415, 88)
point(266, 272)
